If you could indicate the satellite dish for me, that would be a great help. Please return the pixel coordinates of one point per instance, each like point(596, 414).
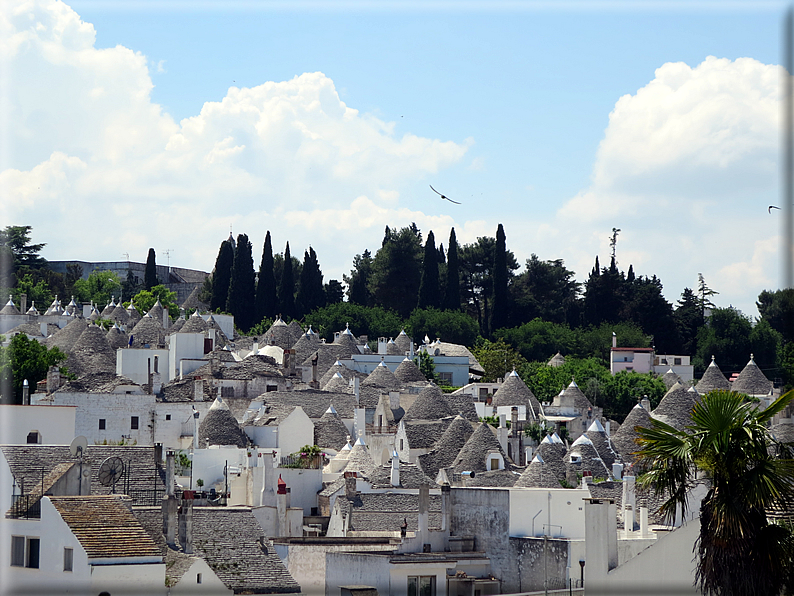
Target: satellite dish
point(78, 446)
point(110, 471)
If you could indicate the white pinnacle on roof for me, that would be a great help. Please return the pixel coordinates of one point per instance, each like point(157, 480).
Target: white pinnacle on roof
point(32, 310)
point(195, 313)
point(548, 439)
point(596, 426)
point(10, 301)
point(360, 441)
point(347, 330)
point(403, 333)
point(427, 339)
point(513, 374)
point(383, 364)
point(73, 303)
point(582, 440)
point(219, 404)
point(331, 409)
point(310, 332)
point(347, 446)
point(573, 384)
point(278, 322)
point(537, 458)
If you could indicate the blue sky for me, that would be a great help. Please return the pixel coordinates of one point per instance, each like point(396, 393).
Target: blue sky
point(505, 109)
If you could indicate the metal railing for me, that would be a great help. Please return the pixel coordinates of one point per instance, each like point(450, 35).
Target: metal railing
point(307, 462)
point(25, 507)
point(146, 496)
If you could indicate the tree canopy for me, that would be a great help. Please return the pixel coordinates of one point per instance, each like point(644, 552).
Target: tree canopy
point(22, 359)
point(150, 273)
point(241, 300)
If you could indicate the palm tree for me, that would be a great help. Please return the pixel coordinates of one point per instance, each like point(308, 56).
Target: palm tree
point(728, 445)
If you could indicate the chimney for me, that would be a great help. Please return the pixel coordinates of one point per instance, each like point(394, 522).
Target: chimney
point(644, 522)
point(186, 522)
point(395, 469)
point(255, 348)
point(350, 485)
point(381, 345)
point(215, 363)
point(356, 383)
point(169, 472)
point(268, 479)
point(166, 319)
point(607, 428)
point(629, 500)
point(53, 379)
point(195, 430)
point(424, 506)
point(23, 303)
point(646, 403)
point(617, 471)
point(158, 454)
point(282, 505)
point(25, 393)
point(43, 329)
point(315, 384)
point(601, 539)
point(359, 422)
point(289, 362)
point(614, 340)
point(446, 507)
point(198, 390)
point(394, 400)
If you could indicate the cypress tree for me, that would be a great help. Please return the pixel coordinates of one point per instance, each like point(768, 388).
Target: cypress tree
point(241, 301)
point(150, 273)
point(452, 291)
point(428, 284)
point(221, 276)
point(500, 311)
point(286, 295)
point(266, 301)
point(311, 294)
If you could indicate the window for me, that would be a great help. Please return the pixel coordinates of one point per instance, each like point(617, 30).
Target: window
point(101, 424)
point(17, 551)
point(34, 438)
point(494, 463)
point(271, 388)
point(445, 376)
point(68, 559)
point(483, 393)
point(380, 419)
point(421, 585)
point(168, 416)
point(402, 447)
point(134, 423)
point(677, 361)
point(198, 578)
point(25, 552)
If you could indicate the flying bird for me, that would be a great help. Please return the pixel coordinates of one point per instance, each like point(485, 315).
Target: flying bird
point(772, 207)
point(442, 196)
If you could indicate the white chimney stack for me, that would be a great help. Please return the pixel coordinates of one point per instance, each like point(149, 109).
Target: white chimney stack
point(395, 469)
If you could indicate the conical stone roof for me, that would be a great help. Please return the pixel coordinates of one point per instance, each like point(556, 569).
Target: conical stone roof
point(147, 331)
point(712, 379)
point(625, 438)
point(602, 444)
point(65, 338)
point(392, 349)
point(359, 459)
point(383, 377)
point(91, 353)
point(220, 427)
point(116, 338)
point(329, 431)
point(670, 378)
point(537, 475)
point(305, 346)
point(472, 455)
point(579, 399)
point(10, 308)
point(408, 372)
point(177, 326)
point(552, 456)
point(590, 459)
point(156, 312)
point(751, 381)
point(556, 360)
point(109, 308)
point(447, 448)
point(337, 367)
point(194, 324)
point(119, 315)
point(514, 392)
point(429, 405)
point(133, 313)
point(403, 342)
point(675, 408)
point(338, 384)
point(278, 335)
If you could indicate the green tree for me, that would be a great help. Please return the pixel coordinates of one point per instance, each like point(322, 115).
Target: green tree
point(545, 290)
point(777, 308)
point(99, 288)
point(645, 305)
point(286, 289)
point(241, 301)
point(739, 552)
point(36, 292)
point(396, 270)
point(130, 286)
point(25, 255)
point(334, 291)
point(726, 336)
point(451, 326)
point(144, 300)
point(604, 294)
point(373, 321)
point(704, 295)
point(426, 365)
point(22, 359)
point(452, 288)
point(428, 284)
point(619, 393)
point(546, 382)
point(500, 315)
point(150, 273)
point(498, 358)
point(358, 280)
point(311, 294)
point(540, 340)
point(266, 301)
point(597, 341)
point(688, 318)
point(222, 276)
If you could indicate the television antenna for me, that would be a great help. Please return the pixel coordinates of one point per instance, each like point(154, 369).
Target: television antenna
point(167, 254)
point(77, 448)
point(110, 471)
